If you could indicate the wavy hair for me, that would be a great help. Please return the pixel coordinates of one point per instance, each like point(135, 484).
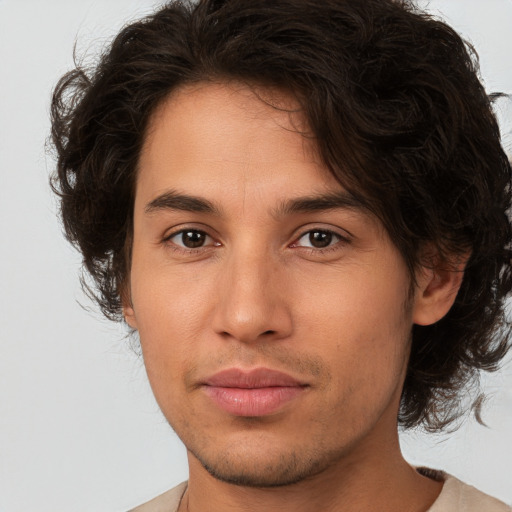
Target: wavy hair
point(394, 102)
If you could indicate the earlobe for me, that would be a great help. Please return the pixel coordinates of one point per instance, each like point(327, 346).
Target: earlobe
point(126, 301)
point(129, 316)
point(436, 291)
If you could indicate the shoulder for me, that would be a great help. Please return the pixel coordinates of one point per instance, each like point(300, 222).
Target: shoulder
point(166, 502)
point(457, 496)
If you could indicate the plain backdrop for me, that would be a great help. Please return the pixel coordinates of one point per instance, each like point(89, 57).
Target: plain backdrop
point(79, 429)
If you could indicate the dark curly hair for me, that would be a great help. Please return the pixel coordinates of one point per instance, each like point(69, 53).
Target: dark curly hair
point(393, 100)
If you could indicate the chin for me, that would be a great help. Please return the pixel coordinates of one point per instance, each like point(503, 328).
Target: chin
point(255, 471)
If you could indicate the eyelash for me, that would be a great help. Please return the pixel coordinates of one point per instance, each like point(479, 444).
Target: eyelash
point(312, 250)
point(335, 246)
point(188, 250)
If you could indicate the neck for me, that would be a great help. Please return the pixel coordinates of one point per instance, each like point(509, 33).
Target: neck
point(374, 479)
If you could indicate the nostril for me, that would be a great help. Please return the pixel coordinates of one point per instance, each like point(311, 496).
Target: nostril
point(268, 332)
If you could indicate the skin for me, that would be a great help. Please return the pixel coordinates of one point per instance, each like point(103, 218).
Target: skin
point(257, 291)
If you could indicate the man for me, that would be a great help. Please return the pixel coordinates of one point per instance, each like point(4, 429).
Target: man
point(301, 209)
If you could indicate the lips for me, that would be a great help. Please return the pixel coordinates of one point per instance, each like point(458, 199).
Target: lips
point(258, 392)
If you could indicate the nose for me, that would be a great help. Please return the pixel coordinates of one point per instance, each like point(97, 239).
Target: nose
point(252, 303)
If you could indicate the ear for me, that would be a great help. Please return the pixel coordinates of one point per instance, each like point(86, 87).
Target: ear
point(128, 311)
point(437, 288)
point(129, 316)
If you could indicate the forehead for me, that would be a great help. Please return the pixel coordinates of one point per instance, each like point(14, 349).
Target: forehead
point(241, 155)
point(242, 105)
point(230, 134)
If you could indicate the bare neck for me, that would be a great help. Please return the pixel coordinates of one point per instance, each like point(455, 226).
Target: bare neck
point(373, 479)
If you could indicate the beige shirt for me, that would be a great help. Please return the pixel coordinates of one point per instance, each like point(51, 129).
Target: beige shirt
point(455, 497)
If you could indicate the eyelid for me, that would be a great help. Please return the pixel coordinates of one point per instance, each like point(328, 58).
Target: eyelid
point(343, 234)
point(342, 237)
point(337, 238)
point(180, 229)
point(188, 226)
point(336, 247)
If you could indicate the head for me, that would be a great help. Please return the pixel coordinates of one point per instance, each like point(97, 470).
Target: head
point(237, 111)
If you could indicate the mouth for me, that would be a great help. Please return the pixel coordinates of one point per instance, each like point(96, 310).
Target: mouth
point(258, 392)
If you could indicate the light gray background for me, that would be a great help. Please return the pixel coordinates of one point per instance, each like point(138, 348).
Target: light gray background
point(79, 429)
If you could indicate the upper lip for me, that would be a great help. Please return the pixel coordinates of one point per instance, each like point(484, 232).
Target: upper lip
point(251, 379)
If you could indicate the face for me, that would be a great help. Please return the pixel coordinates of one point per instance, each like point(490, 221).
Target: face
point(273, 310)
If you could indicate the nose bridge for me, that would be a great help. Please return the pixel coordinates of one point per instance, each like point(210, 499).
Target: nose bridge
point(250, 305)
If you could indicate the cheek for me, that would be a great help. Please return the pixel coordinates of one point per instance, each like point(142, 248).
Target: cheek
point(366, 303)
point(170, 311)
point(361, 325)
point(169, 300)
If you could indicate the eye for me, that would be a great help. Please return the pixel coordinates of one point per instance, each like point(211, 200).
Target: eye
point(190, 239)
point(318, 239)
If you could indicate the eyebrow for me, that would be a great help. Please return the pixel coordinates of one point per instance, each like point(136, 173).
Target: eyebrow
point(173, 200)
point(321, 202)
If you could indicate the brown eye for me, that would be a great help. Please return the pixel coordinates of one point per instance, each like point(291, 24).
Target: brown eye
point(318, 239)
point(193, 239)
point(190, 239)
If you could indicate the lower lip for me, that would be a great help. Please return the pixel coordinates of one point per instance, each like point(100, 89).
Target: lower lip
point(252, 402)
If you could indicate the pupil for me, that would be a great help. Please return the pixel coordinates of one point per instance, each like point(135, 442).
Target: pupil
point(193, 239)
point(320, 239)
